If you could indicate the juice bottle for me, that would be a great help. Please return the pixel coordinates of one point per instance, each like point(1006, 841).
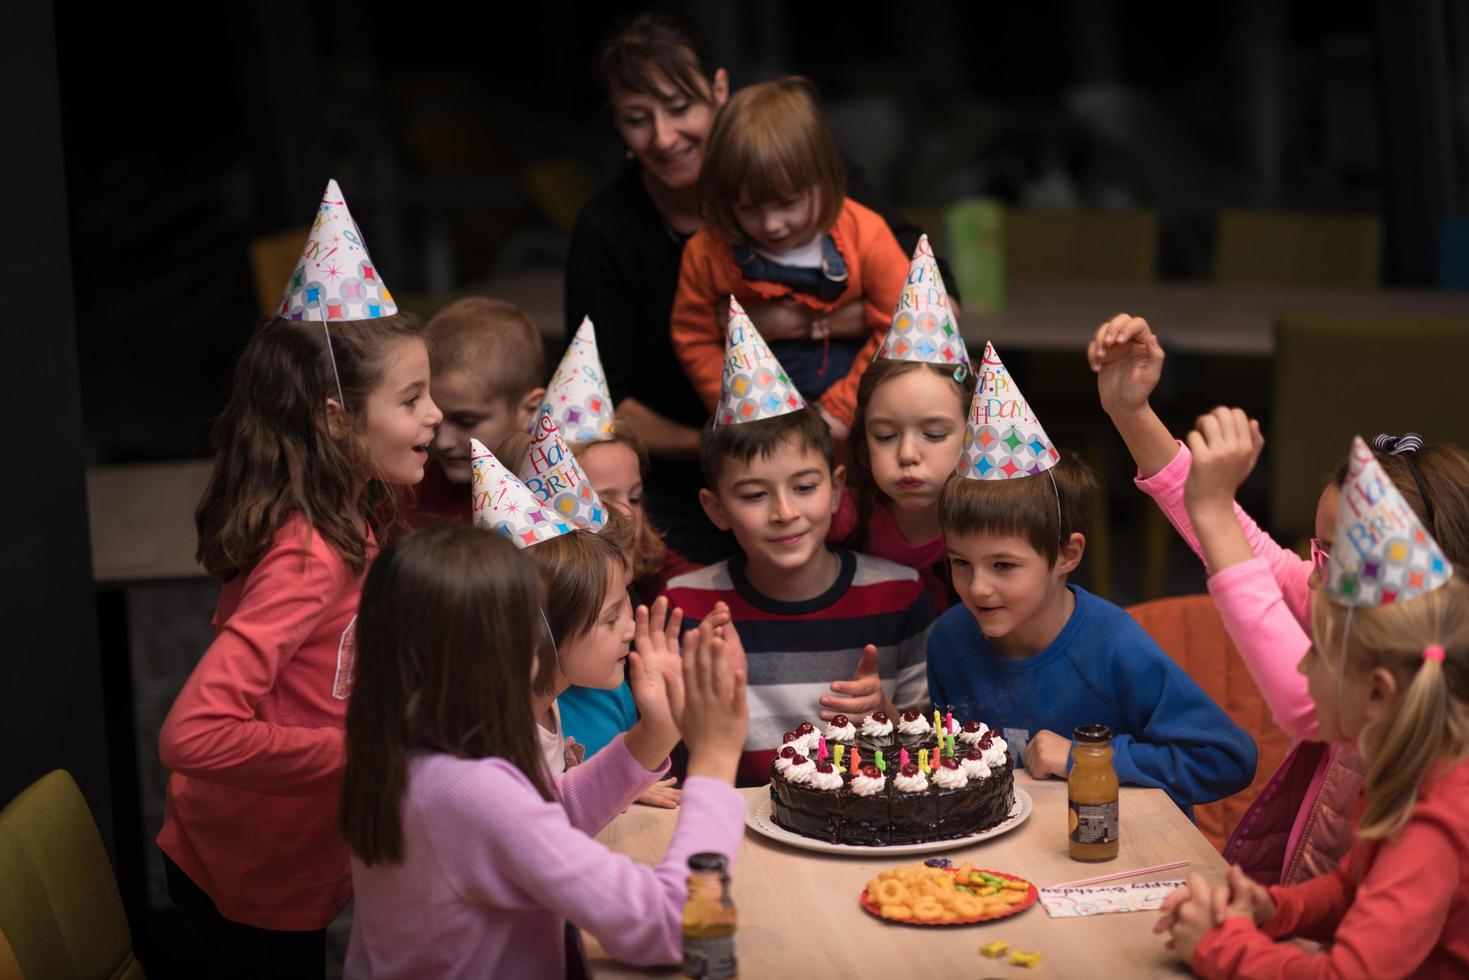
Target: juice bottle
point(1092, 792)
point(708, 920)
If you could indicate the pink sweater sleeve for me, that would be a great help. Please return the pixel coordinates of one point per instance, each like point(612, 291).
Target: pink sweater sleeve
point(511, 848)
point(213, 731)
point(1269, 640)
point(1290, 571)
point(604, 785)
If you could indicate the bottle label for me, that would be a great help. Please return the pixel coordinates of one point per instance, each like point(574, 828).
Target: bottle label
point(1093, 823)
point(709, 959)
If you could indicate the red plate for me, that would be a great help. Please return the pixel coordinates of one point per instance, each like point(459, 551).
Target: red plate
point(1031, 895)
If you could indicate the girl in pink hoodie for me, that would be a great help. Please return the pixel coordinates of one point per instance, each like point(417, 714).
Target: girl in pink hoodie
point(1300, 824)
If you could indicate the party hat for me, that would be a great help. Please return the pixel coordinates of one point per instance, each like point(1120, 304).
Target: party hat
point(335, 278)
point(754, 385)
point(923, 327)
point(502, 503)
point(1003, 439)
point(551, 472)
point(577, 397)
point(1380, 552)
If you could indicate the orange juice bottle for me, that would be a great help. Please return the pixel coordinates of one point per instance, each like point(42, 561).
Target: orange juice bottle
point(1092, 793)
point(708, 920)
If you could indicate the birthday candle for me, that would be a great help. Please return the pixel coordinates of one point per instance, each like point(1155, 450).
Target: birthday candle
point(948, 721)
point(820, 748)
point(856, 759)
point(949, 745)
point(902, 758)
point(923, 760)
point(836, 756)
point(882, 766)
point(936, 721)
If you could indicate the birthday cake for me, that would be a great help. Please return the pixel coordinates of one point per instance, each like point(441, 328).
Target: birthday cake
point(883, 782)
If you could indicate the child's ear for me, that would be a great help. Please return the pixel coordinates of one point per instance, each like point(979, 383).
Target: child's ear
point(838, 487)
point(1382, 692)
point(713, 508)
point(1071, 552)
point(525, 411)
point(336, 420)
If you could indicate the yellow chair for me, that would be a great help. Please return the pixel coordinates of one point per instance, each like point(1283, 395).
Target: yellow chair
point(1055, 244)
point(273, 261)
point(59, 905)
point(1283, 248)
point(1334, 379)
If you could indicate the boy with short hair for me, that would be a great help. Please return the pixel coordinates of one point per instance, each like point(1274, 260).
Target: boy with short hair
point(805, 612)
point(1036, 657)
point(488, 377)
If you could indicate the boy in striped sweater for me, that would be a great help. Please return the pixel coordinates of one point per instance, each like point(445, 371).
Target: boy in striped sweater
point(808, 614)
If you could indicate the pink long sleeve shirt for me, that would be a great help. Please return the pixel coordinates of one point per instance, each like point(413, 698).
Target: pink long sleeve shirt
point(255, 741)
point(1265, 602)
point(491, 872)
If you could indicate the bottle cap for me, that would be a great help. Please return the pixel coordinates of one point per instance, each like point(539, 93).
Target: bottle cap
point(707, 861)
point(1092, 733)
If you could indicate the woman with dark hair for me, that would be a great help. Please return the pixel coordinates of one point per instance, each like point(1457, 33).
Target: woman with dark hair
point(664, 90)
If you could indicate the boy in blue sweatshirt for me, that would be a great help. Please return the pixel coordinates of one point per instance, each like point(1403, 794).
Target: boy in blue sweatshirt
point(1036, 657)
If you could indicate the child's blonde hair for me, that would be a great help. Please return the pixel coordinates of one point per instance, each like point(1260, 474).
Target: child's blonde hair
point(649, 550)
point(771, 142)
point(1429, 722)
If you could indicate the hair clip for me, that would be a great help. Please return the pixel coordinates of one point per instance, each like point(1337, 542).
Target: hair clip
point(1408, 442)
point(960, 373)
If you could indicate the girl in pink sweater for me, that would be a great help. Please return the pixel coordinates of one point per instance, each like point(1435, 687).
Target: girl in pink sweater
point(468, 856)
point(1262, 591)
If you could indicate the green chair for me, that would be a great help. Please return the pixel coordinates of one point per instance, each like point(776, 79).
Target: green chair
point(59, 905)
point(1334, 379)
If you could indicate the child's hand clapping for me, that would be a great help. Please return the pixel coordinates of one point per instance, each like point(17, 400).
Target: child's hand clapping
point(1225, 445)
point(656, 666)
point(710, 706)
point(1128, 362)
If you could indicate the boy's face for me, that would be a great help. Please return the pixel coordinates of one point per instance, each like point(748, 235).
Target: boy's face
point(468, 414)
point(1003, 581)
point(778, 506)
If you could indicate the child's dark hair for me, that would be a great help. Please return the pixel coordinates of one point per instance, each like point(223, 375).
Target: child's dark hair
point(652, 43)
point(1444, 469)
point(491, 340)
point(770, 141)
point(576, 578)
point(859, 469)
point(448, 637)
point(1026, 507)
point(743, 442)
point(274, 453)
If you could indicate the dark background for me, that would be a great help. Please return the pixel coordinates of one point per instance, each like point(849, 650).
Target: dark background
point(149, 144)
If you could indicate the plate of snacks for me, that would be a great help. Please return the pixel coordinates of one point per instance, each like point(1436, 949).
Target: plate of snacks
point(936, 893)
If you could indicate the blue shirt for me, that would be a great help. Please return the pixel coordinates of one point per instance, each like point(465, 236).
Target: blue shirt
point(595, 717)
point(1105, 669)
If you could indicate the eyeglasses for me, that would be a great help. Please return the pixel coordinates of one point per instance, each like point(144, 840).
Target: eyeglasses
point(1320, 558)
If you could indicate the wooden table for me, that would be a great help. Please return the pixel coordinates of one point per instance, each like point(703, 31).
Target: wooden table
point(799, 915)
